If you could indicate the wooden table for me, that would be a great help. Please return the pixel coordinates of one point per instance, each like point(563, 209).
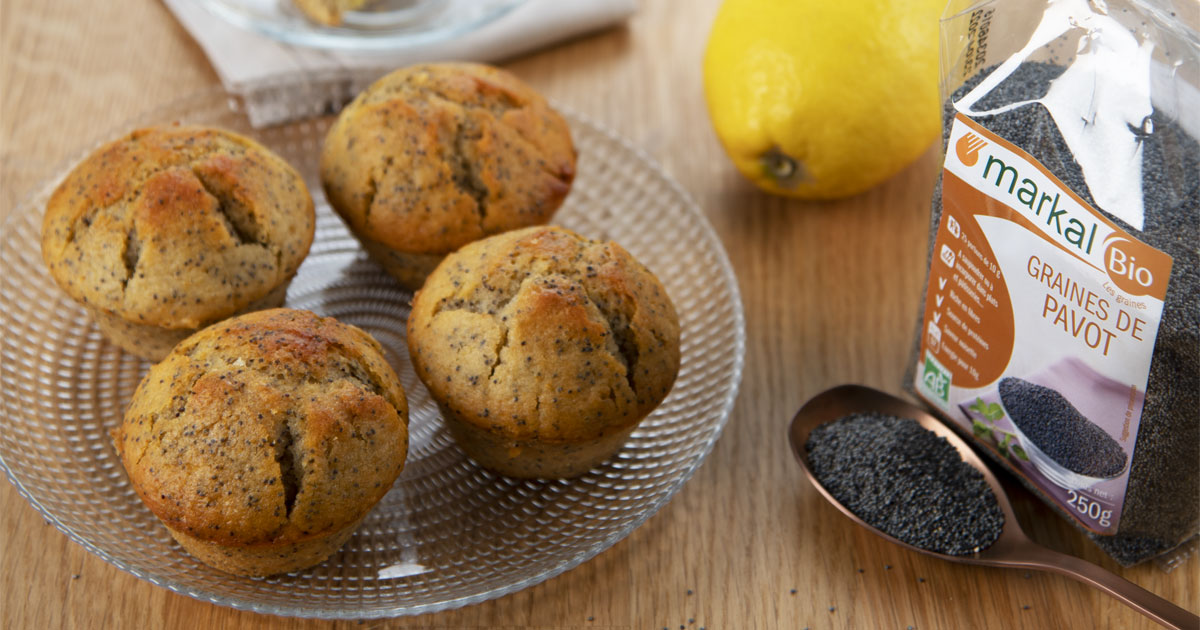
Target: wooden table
point(831, 292)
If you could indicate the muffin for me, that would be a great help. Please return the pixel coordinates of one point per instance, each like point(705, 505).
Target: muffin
point(432, 157)
point(328, 12)
point(261, 442)
point(543, 349)
point(172, 228)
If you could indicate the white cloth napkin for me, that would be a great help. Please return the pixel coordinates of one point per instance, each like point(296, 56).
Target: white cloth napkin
point(251, 65)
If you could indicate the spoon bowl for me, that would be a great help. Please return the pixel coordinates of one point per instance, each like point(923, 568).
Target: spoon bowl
point(1013, 549)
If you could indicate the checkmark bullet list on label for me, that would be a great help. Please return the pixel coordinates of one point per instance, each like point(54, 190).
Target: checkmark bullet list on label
point(938, 299)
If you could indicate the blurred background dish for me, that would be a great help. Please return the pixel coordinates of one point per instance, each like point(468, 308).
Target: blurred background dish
point(382, 25)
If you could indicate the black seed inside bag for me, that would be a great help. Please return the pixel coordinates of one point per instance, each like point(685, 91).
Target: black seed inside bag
point(905, 480)
point(1162, 500)
point(1058, 429)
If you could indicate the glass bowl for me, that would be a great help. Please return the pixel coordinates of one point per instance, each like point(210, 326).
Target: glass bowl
point(1057, 473)
point(383, 25)
point(449, 533)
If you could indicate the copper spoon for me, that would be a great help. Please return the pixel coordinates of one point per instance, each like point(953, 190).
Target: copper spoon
point(1013, 549)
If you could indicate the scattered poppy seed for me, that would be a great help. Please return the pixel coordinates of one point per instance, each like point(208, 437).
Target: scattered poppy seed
point(921, 580)
point(887, 567)
point(691, 621)
point(793, 591)
point(689, 591)
point(75, 576)
point(1026, 607)
point(831, 609)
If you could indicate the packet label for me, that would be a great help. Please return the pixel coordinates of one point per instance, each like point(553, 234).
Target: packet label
point(1040, 322)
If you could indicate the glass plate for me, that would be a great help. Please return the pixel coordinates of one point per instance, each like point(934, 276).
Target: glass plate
point(381, 26)
point(469, 535)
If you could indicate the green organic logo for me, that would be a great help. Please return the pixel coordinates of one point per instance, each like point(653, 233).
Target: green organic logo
point(936, 379)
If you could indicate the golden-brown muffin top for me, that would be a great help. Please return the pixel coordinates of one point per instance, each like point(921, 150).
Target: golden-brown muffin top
point(274, 426)
point(543, 334)
point(177, 226)
point(434, 156)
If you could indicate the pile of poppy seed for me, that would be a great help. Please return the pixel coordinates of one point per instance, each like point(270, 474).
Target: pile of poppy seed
point(1162, 499)
point(1057, 428)
point(906, 481)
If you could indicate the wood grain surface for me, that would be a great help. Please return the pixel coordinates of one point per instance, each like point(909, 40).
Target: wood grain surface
point(830, 290)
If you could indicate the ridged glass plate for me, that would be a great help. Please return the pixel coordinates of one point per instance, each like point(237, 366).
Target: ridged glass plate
point(464, 534)
point(382, 25)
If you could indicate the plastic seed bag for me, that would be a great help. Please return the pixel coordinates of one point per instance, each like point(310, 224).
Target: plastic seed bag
point(1065, 259)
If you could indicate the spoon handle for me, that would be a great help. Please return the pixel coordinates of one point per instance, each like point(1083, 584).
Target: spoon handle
point(1145, 602)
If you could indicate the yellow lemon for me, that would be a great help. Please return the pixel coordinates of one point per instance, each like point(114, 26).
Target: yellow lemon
point(821, 99)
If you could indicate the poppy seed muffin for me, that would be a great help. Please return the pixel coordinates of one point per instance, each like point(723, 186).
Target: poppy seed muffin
point(543, 349)
point(261, 442)
point(432, 157)
point(172, 228)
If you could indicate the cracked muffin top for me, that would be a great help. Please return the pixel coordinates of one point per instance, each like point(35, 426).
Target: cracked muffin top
point(272, 427)
point(177, 226)
point(432, 157)
point(543, 334)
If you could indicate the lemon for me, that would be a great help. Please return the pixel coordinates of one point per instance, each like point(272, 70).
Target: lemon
point(821, 99)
